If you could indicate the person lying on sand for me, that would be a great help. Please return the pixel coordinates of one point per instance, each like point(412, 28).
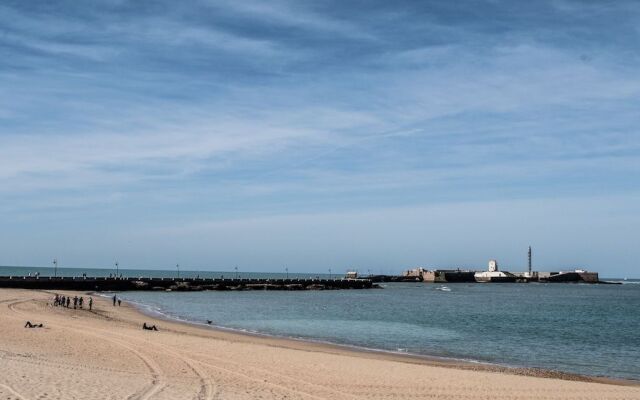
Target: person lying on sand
point(149, 328)
point(30, 325)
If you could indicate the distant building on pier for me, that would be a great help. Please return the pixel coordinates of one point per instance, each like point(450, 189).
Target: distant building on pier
point(493, 274)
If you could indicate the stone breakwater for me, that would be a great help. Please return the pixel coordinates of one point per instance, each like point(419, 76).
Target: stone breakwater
point(178, 284)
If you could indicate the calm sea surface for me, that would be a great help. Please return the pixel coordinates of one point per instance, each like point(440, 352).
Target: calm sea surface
point(587, 329)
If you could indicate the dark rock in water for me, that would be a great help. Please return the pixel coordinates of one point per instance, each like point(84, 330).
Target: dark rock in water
point(294, 286)
point(182, 287)
point(316, 286)
point(210, 287)
point(255, 286)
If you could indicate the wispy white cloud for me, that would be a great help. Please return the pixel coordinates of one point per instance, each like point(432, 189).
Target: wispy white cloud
point(88, 51)
point(295, 14)
point(185, 140)
point(174, 33)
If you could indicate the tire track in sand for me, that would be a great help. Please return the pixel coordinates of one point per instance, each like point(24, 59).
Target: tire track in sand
point(158, 381)
point(4, 385)
point(205, 392)
point(12, 391)
point(208, 391)
point(252, 378)
point(149, 390)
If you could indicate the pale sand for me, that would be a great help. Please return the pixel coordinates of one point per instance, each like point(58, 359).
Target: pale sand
point(106, 355)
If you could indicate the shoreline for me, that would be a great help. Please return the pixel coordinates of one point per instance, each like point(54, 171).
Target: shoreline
point(424, 359)
point(104, 353)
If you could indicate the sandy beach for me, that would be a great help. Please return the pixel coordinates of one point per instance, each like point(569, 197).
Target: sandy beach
point(105, 354)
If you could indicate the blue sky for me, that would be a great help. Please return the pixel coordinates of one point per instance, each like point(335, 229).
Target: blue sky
point(315, 135)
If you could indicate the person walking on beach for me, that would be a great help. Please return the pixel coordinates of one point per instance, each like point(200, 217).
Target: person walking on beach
point(80, 302)
point(114, 300)
point(90, 303)
point(119, 302)
point(75, 302)
point(68, 301)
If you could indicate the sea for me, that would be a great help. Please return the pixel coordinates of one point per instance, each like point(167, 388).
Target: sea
point(576, 328)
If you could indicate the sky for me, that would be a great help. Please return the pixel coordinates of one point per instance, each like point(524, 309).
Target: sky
point(320, 134)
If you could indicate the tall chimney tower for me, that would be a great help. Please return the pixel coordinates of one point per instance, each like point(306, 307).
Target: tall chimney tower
point(529, 260)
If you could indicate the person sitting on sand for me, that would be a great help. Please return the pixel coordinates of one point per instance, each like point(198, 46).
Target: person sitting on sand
point(30, 325)
point(149, 328)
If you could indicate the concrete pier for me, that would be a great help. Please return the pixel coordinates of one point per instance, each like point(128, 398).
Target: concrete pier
point(178, 284)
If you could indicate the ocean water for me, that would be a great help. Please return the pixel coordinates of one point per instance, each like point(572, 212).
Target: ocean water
point(578, 328)
point(586, 329)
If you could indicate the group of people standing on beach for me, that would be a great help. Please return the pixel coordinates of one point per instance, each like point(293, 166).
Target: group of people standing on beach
point(78, 302)
point(65, 301)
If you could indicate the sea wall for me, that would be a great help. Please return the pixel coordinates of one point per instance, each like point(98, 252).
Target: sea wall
point(175, 284)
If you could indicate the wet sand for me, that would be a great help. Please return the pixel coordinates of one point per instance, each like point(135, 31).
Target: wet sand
point(105, 354)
